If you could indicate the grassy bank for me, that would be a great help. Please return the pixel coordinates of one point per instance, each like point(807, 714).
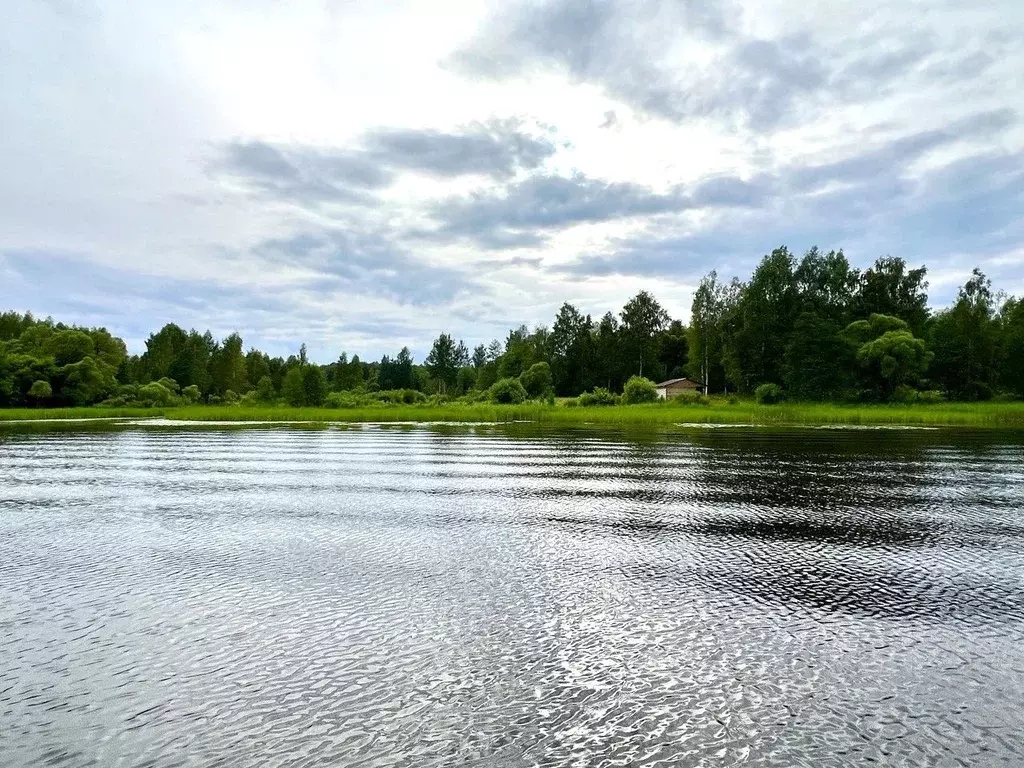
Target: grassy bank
point(91, 412)
point(715, 412)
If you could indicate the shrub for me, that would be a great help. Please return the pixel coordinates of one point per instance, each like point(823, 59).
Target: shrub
point(168, 383)
point(639, 390)
point(537, 379)
point(341, 400)
point(907, 395)
point(597, 396)
point(250, 398)
point(411, 396)
point(230, 397)
point(191, 394)
point(732, 400)
point(572, 402)
point(40, 390)
point(400, 396)
point(155, 393)
point(507, 391)
point(769, 394)
point(977, 390)
point(475, 396)
point(904, 394)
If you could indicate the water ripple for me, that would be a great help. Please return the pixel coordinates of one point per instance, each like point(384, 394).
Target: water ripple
point(511, 597)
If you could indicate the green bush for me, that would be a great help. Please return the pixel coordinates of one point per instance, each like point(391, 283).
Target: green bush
point(40, 390)
point(342, 400)
point(904, 394)
point(598, 396)
point(572, 402)
point(475, 396)
point(639, 390)
point(977, 391)
point(400, 396)
point(769, 394)
point(1005, 397)
point(537, 379)
point(507, 391)
point(168, 383)
point(930, 397)
point(249, 399)
point(155, 393)
point(191, 394)
point(732, 400)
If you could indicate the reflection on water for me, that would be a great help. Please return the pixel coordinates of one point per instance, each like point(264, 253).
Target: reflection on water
point(510, 597)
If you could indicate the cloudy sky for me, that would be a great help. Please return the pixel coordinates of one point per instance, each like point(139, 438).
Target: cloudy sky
point(361, 175)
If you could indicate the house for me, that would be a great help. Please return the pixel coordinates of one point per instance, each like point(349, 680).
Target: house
point(673, 387)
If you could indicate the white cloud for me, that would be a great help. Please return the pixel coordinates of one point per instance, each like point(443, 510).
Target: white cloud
point(116, 116)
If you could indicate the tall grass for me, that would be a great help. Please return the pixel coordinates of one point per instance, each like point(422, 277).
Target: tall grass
point(371, 413)
point(90, 412)
point(715, 412)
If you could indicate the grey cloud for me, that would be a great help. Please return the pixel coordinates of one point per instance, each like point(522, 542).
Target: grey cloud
point(616, 44)
point(523, 213)
point(962, 67)
point(302, 175)
point(311, 176)
point(762, 79)
point(897, 154)
point(72, 287)
point(730, 191)
point(496, 149)
point(367, 264)
point(542, 202)
point(512, 261)
point(627, 47)
point(971, 205)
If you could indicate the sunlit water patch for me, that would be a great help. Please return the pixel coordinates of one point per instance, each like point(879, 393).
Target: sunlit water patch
point(511, 596)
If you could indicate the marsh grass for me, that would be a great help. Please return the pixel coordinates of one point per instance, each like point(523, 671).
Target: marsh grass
point(716, 411)
point(90, 412)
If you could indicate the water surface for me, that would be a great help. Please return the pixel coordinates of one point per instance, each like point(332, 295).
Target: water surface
point(511, 597)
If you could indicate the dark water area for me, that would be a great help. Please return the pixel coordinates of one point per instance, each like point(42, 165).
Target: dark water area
point(511, 596)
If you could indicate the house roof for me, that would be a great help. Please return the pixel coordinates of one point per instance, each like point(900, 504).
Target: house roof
point(670, 382)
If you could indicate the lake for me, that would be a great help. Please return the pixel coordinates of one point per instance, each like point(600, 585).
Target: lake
point(511, 596)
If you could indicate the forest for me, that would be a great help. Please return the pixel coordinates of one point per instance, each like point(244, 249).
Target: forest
point(812, 328)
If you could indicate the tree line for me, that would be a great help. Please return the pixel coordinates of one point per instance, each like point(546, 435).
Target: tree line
point(813, 328)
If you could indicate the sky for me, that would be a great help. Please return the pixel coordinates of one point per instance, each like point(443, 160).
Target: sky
point(361, 176)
